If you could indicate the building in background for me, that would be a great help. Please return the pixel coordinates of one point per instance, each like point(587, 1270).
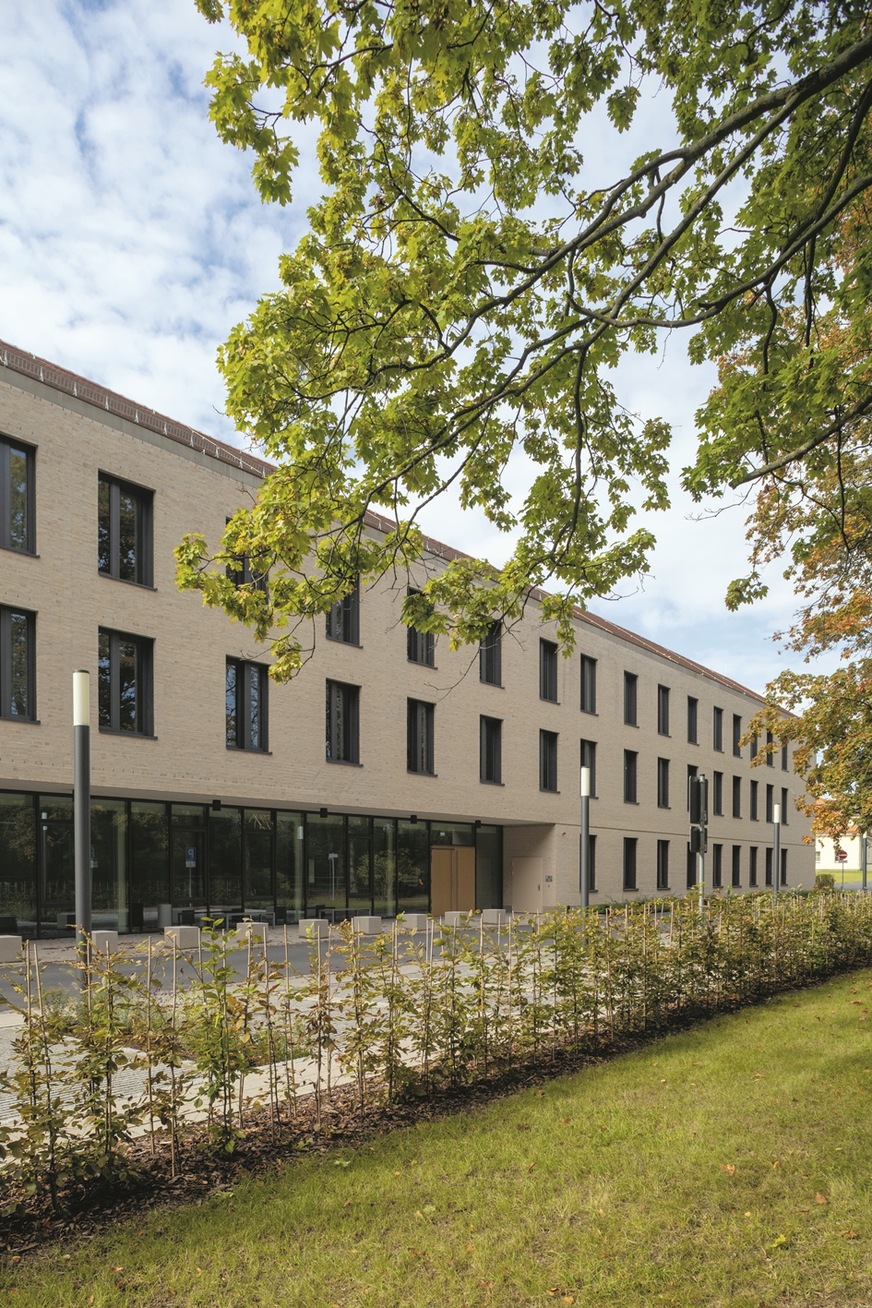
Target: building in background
point(391, 775)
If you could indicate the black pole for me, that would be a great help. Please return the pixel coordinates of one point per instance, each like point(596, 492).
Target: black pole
point(82, 808)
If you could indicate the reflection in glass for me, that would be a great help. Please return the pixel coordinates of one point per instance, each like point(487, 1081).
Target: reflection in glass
point(413, 867)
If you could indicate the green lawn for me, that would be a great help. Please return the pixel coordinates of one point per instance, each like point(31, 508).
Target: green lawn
point(730, 1165)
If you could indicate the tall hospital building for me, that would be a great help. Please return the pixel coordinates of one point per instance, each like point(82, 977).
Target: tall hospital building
point(393, 774)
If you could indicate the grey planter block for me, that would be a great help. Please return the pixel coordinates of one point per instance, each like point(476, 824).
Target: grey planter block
point(253, 931)
point(313, 927)
point(103, 942)
point(413, 922)
point(494, 916)
point(367, 926)
point(10, 949)
point(183, 937)
point(454, 919)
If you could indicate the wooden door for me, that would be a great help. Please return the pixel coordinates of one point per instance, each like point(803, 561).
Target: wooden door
point(452, 879)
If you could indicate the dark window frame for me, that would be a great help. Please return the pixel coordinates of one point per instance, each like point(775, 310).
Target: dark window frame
point(631, 699)
point(663, 783)
point(737, 797)
point(343, 618)
point(27, 544)
point(754, 801)
point(247, 728)
point(631, 776)
point(752, 867)
point(548, 671)
point(109, 682)
point(717, 866)
point(718, 730)
point(717, 794)
point(784, 799)
point(630, 863)
point(110, 533)
point(548, 761)
point(420, 645)
point(587, 667)
point(343, 722)
point(490, 750)
point(692, 720)
point(490, 655)
point(9, 620)
point(420, 744)
point(662, 864)
point(736, 867)
point(663, 710)
point(737, 736)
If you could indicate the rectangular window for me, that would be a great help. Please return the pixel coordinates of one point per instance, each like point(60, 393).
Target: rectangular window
point(631, 699)
point(419, 736)
point(490, 656)
point(692, 720)
point(662, 864)
point(17, 664)
point(343, 620)
point(241, 573)
point(718, 729)
point(631, 759)
point(752, 866)
point(663, 783)
point(718, 793)
point(770, 746)
point(124, 677)
point(737, 735)
point(737, 797)
point(588, 684)
point(691, 773)
point(663, 710)
point(491, 750)
point(784, 806)
point(588, 760)
point(755, 791)
point(343, 722)
point(785, 761)
point(630, 845)
point(548, 670)
point(17, 497)
point(124, 532)
point(736, 870)
point(420, 645)
point(691, 868)
point(770, 803)
point(768, 865)
point(717, 866)
point(547, 760)
point(591, 885)
point(245, 705)
point(784, 867)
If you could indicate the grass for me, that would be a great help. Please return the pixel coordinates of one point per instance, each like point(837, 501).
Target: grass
point(728, 1165)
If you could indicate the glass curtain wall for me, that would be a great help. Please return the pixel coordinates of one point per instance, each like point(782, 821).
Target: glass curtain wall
point(257, 859)
point(289, 864)
point(413, 867)
point(188, 861)
point(57, 890)
point(224, 873)
point(109, 909)
point(149, 866)
point(18, 908)
point(359, 865)
point(326, 866)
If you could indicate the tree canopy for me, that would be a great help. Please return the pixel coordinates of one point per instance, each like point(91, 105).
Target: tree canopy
point(470, 279)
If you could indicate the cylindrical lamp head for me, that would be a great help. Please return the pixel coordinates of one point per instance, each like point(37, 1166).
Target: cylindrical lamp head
point(81, 698)
point(585, 783)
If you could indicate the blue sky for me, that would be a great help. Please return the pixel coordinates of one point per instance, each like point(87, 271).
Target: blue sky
point(132, 241)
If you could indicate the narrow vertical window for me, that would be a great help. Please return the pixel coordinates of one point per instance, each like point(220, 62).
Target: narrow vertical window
point(420, 645)
point(737, 797)
point(17, 664)
point(490, 656)
point(588, 684)
point(785, 760)
point(490, 750)
point(631, 706)
point(736, 870)
point(692, 720)
point(662, 864)
point(343, 619)
point(718, 793)
point(17, 497)
point(718, 729)
point(752, 866)
point(245, 705)
point(768, 873)
point(631, 759)
point(548, 760)
point(754, 801)
point(770, 750)
point(663, 710)
point(737, 735)
point(770, 803)
point(548, 670)
point(124, 531)
point(691, 773)
point(630, 847)
point(419, 736)
point(343, 705)
point(717, 866)
point(663, 783)
point(784, 806)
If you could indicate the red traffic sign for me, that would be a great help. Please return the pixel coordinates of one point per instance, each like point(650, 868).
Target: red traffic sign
point(842, 856)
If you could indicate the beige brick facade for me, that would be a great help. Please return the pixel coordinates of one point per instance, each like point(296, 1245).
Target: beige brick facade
point(186, 759)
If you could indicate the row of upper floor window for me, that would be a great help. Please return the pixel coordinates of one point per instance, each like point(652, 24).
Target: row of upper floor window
point(125, 677)
point(125, 552)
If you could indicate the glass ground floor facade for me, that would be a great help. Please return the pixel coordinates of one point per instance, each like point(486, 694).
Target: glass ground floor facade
point(154, 863)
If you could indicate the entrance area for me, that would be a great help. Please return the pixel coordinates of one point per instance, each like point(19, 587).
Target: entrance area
point(452, 879)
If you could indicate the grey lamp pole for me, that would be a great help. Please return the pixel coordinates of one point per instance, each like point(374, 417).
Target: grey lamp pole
point(864, 859)
point(584, 861)
point(82, 807)
point(776, 849)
